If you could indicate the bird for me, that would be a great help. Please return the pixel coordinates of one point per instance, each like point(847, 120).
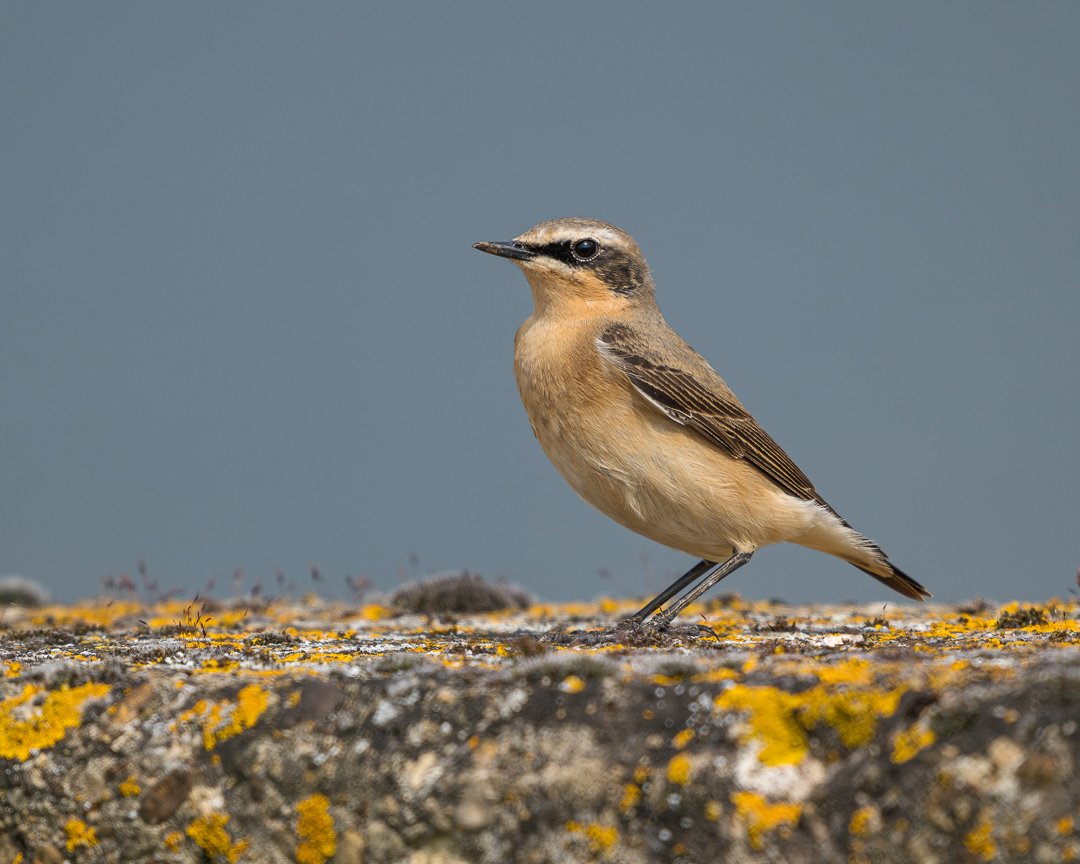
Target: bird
point(646, 431)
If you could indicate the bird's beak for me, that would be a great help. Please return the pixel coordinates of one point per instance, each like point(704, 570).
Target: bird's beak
point(509, 249)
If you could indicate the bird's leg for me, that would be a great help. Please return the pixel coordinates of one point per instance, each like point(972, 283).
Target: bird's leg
point(690, 576)
point(663, 618)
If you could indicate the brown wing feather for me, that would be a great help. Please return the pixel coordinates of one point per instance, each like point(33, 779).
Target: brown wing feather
point(705, 406)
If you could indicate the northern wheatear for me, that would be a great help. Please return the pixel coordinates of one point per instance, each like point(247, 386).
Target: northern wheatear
point(645, 430)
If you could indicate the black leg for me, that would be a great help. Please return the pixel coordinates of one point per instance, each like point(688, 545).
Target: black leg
point(691, 575)
point(662, 619)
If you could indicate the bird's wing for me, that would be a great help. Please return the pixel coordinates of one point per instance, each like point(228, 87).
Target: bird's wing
point(701, 401)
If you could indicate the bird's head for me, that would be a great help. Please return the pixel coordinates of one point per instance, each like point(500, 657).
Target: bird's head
point(580, 263)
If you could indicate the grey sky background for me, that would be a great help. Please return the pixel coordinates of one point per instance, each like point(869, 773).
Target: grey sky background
point(241, 324)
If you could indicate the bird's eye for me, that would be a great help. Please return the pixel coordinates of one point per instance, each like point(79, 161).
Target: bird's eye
point(585, 250)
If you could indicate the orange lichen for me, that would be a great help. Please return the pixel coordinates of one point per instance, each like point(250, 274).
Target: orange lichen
point(13, 669)
point(682, 739)
point(572, 684)
point(210, 835)
point(861, 821)
point(678, 769)
point(630, 797)
point(25, 728)
point(129, 788)
point(978, 841)
point(79, 834)
point(172, 840)
point(315, 826)
point(760, 816)
point(601, 837)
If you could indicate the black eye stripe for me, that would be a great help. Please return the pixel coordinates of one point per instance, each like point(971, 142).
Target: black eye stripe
point(618, 270)
point(564, 251)
point(558, 251)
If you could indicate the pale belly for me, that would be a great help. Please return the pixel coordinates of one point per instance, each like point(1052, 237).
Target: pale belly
point(659, 479)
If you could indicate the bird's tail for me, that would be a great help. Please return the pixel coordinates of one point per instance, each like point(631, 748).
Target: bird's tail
point(833, 535)
point(889, 574)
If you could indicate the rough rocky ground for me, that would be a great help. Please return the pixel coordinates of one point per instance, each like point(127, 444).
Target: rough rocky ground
point(760, 733)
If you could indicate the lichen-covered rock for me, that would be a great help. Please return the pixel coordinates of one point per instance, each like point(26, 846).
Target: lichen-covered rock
point(332, 734)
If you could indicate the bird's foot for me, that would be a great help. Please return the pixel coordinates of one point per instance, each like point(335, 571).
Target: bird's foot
point(661, 620)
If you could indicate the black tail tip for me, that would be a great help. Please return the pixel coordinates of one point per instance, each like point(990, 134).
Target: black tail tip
point(900, 582)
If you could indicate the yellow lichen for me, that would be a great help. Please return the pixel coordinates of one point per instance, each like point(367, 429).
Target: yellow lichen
point(713, 810)
point(25, 728)
point(14, 668)
point(666, 680)
point(375, 612)
point(862, 820)
point(678, 769)
point(855, 672)
point(129, 788)
point(96, 615)
point(601, 837)
point(630, 797)
point(172, 840)
point(250, 703)
point(315, 826)
point(682, 739)
point(721, 673)
point(79, 834)
point(214, 664)
point(572, 684)
point(1064, 825)
point(979, 842)
point(907, 743)
point(842, 700)
point(772, 721)
point(760, 816)
point(209, 834)
point(845, 701)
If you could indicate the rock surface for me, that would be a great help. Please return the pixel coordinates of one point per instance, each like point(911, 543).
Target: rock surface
point(315, 733)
